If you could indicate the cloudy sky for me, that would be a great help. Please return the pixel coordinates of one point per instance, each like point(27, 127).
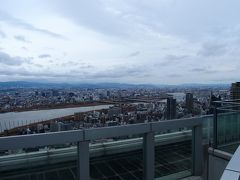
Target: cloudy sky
point(125, 41)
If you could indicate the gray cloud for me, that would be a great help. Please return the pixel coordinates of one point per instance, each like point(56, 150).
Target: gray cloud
point(134, 54)
point(102, 20)
point(204, 70)
point(174, 75)
point(171, 59)
point(44, 56)
point(8, 60)
point(77, 65)
point(4, 17)
point(25, 73)
point(21, 38)
point(198, 70)
point(116, 72)
point(24, 48)
point(225, 79)
point(85, 66)
point(212, 49)
point(2, 34)
point(171, 38)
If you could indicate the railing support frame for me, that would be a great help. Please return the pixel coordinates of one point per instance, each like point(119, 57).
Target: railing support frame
point(148, 156)
point(197, 151)
point(83, 160)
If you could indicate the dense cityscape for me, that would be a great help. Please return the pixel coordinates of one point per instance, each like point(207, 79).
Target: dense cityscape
point(127, 106)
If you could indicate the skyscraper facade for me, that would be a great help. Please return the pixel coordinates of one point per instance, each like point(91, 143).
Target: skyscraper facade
point(189, 102)
point(171, 108)
point(235, 90)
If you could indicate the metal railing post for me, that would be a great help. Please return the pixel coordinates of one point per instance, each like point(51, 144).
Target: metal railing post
point(197, 151)
point(215, 128)
point(148, 156)
point(83, 160)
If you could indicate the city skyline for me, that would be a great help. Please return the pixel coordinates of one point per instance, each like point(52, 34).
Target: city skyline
point(159, 42)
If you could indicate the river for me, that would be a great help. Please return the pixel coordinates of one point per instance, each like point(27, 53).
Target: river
point(14, 119)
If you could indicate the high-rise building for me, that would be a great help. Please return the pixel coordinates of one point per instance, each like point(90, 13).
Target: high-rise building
point(171, 108)
point(235, 90)
point(108, 93)
point(55, 92)
point(189, 102)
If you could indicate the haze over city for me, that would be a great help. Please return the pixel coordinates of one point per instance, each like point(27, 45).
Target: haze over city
point(154, 42)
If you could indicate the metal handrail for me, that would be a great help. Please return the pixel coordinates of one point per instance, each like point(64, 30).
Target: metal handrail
point(51, 138)
point(84, 136)
point(232, 101)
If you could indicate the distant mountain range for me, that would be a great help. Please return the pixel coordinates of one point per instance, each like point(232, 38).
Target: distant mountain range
point(25, 84)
